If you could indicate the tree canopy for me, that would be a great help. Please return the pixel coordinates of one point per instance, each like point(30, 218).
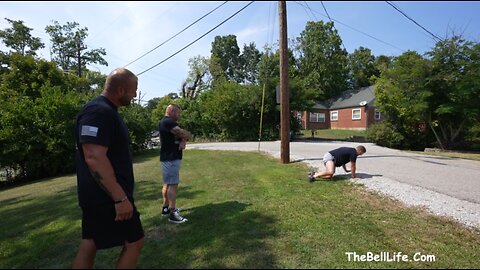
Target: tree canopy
point(68, 44)
point(19, 38)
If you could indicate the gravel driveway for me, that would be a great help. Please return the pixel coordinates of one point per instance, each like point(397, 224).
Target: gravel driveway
point(444, 186)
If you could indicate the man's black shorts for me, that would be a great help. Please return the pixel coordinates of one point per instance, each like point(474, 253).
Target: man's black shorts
point(98, 223)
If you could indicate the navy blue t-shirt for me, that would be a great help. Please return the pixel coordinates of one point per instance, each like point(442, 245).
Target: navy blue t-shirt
point(343, 155)
point(168, 143)
point(99, 123)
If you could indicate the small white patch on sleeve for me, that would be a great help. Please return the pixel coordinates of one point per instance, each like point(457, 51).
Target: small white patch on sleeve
point(89, 131)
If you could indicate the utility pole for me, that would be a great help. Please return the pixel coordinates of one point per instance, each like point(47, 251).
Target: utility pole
point(79, 57)
point(284, 93)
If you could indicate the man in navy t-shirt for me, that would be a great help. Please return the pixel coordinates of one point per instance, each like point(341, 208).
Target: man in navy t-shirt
point(336, 158)
point(105, 180)
point(173, 140)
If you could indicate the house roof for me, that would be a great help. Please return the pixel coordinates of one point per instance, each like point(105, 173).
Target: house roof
point(321, 105)
point(351, 98)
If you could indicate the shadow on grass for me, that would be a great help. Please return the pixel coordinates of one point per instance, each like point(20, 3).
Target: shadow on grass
point(40, 211)
point(345, 177)
point(150, 190)
point(367, 175)
point(145, 155)
point(216, 235)
point(334, 179)
point(305, 159)
point(36, 230)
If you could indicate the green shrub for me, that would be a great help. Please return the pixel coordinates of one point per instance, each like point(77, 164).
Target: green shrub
point(384, 134)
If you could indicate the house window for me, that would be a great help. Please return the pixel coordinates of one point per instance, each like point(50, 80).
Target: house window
point(378, 115)
point(334, 116)
point(356, 114)
point(317, 117)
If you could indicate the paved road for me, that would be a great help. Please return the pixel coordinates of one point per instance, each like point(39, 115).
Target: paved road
point(428, 179)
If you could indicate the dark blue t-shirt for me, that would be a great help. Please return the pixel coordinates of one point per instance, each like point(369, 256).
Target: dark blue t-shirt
point(99, 123)
point(343, 155)
point(168, 143)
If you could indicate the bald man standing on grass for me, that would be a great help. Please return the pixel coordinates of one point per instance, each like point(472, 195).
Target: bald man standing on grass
point(173, 140)
point(105, 180)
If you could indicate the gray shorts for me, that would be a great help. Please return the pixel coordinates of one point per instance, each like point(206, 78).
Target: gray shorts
point(327, 157)
point(171, 172)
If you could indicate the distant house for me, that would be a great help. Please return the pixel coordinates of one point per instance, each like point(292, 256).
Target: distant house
point(351, 110)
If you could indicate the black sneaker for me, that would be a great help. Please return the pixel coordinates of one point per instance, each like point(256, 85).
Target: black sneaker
point(176, 218)
point(165, 211)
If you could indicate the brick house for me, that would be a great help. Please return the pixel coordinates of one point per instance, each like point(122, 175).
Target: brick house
point(353, 109)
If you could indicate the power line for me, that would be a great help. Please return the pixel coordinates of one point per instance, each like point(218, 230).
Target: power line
point(326, 12)
point(306, 3)
point(324, 8)
point(196, 39)
point(307, 12)
point(177, 34)
point(377, 39)
point(403, 13)
point(274, 19)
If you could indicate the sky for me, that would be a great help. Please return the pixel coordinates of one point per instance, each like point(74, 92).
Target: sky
point(127, 30)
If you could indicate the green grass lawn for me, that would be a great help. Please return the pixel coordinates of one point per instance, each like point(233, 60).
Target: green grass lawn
point(245, 210)
point(331, 134)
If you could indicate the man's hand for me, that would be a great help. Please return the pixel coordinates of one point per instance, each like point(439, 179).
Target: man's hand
point(354, 170)
point(124, 210)
point(182, 145)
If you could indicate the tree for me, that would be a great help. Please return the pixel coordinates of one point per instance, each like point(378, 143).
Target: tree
point(231, 111)
point(225, 59)
point(442, 91)
point(95, 79)
point(250, 59)
point(37, 114)
point(68, 42)
point(401, 93)
point(161, 105)
point(18, 38)
point(301, 97)
point(199, 78)
point(38, 104)
point(362, 67)
point(455, 90)
point(269, 67)
point(323, 64)
point(26, 75)
point(139, 123)
point(382, 63)
point(152, 104)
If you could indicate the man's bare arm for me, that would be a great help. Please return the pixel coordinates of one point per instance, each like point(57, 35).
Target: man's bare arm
point(102, 171)
point(354, 169)
point(181, 133)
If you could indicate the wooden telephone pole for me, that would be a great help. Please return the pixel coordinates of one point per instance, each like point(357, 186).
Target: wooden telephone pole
point(284, 93)
point(79, 57)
